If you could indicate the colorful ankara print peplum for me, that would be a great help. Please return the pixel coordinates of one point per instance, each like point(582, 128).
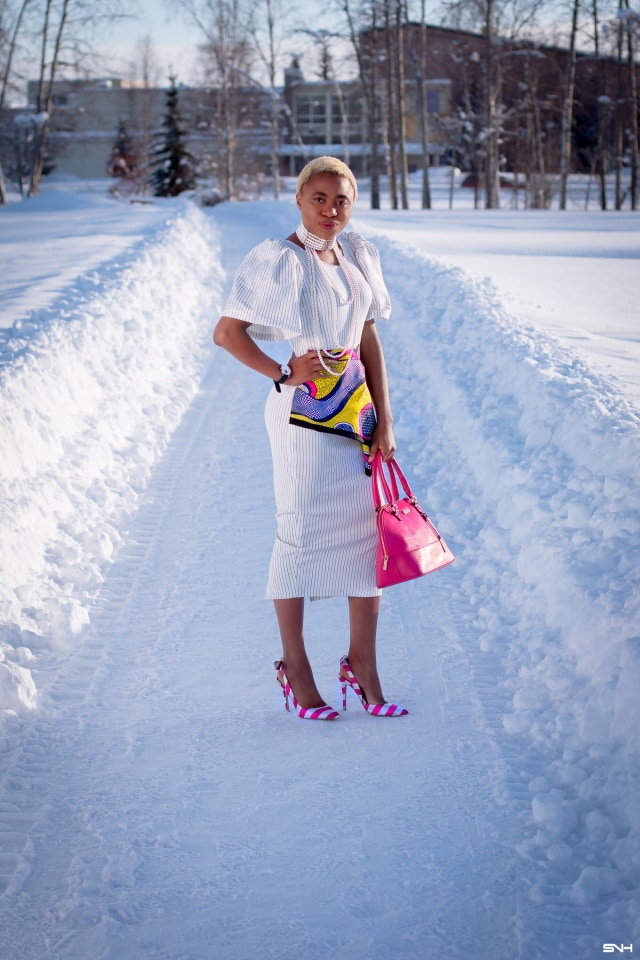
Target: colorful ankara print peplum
point(340, 404)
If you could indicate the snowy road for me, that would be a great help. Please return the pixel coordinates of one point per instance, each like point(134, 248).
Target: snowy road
point(164, 807)
point(194, 818)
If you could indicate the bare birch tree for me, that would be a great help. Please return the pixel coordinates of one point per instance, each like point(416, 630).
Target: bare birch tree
point(419, 63)
point(602, 109)
point(65, 31)
point(398, 66)
point(53, 30)
point(619, 121)
point(391, 99)
point(491, 94)
point(10, 25)
point(11, 22)
point(225, 31)
point(268, 34)
point(9, 31)
point(499, 21)
point(631, 23)
point(368, 69)
point(147, 71)
point(567, 107)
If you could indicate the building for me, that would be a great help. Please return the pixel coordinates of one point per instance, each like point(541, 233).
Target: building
point(329, 117)
point(316, 117)
point(529, 90)
point(87, 116)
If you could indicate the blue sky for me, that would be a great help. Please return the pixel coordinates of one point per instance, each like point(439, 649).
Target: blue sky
point(175, 40)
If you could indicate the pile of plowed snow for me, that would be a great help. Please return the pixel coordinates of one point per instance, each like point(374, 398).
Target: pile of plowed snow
point(89, 401)
point(531, 463)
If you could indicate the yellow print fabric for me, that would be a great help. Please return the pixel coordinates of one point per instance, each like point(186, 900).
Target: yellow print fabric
point(338, 404)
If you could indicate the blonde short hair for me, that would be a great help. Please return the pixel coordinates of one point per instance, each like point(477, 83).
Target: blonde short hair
point(326, 165)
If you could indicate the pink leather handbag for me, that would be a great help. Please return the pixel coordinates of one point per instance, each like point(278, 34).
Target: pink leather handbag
point(409, 545)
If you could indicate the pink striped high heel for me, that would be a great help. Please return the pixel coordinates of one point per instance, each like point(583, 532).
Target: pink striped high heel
point(346, 677)
point(324, 712)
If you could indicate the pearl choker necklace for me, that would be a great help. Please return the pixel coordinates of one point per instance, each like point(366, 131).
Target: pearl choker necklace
point(308, 239)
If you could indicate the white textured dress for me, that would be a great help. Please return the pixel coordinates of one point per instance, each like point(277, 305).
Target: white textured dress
point(326, 531)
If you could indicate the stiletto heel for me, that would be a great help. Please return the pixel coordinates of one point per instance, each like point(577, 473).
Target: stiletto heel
point(343, 684)
point(325, 712)
point(347, 677)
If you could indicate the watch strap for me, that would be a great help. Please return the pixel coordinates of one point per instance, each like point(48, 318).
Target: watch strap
point(283, 379)
point(286, 372)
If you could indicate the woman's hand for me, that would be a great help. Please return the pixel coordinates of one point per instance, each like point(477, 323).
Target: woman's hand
point(307, 367)
point(383, 440)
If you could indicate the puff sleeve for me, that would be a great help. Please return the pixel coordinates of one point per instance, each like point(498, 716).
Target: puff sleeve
point(368, 259)
point(266, 292)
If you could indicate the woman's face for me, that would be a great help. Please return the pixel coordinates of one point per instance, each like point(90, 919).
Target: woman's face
point(325, 203)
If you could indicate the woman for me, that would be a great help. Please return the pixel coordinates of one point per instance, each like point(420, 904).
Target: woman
point(328, 405)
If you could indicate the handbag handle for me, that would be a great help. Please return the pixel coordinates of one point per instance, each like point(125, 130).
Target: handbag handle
point(379, 486)
point(395, 471)
point(387, 486)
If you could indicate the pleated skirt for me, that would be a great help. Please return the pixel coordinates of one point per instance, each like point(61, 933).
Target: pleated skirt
point(326, 534)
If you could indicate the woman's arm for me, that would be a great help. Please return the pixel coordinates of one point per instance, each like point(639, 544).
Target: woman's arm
point(372, 357)
point(231, 334)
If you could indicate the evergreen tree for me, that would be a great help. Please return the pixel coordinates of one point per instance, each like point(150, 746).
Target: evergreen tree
point(172, 165)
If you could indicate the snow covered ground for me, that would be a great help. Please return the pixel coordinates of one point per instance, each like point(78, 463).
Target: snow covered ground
point(156, 801)
point(573, 274)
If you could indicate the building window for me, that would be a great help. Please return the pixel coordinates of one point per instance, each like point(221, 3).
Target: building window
point(310, 111)
point(352, 108)
point(433, 101)
point(352, 131)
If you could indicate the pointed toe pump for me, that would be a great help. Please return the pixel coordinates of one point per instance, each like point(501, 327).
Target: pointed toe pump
point(347, 678)
point(325, 712)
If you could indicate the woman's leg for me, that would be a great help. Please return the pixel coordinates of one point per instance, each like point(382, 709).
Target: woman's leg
point(363, 620)
point(290, 614)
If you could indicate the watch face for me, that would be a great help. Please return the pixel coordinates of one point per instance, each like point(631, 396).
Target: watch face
point(285, 369)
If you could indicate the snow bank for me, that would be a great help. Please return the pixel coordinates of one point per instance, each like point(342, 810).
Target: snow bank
point(531, 463)
point(88, 404)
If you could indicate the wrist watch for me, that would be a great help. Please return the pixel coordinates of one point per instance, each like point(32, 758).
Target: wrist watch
point(286, 372)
